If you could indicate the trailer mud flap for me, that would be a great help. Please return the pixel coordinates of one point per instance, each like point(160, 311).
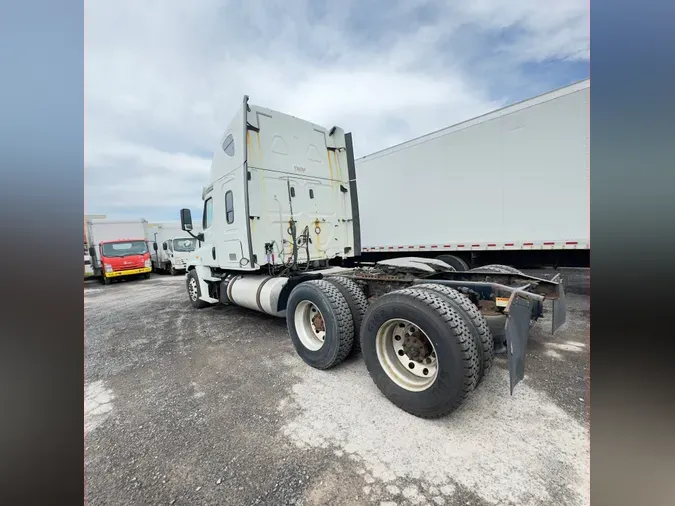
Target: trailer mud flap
point(517, 329)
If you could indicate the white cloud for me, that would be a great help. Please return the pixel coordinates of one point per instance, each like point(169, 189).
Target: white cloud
point(164, 77)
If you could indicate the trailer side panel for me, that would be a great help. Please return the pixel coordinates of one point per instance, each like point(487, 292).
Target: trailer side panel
point(485, 184)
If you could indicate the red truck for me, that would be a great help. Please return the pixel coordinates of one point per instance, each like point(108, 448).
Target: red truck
point(118, 249)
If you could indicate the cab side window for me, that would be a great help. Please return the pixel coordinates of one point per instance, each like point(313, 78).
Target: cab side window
point(228, 145)
point(229, 207)
point(208, 213)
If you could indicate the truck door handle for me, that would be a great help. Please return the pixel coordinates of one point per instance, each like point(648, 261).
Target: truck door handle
point(213, 252)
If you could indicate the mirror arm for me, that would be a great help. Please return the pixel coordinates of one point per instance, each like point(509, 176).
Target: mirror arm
point(199, 237)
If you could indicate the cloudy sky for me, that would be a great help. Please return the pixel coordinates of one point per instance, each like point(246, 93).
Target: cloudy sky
point(163, 77)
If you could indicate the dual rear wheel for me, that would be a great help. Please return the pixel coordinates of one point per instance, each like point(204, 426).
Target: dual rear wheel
point(426, 347)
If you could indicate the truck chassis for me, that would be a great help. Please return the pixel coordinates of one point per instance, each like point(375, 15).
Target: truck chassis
point(427, 332)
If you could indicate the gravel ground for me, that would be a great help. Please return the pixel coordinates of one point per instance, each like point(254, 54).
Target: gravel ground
point(213, 406)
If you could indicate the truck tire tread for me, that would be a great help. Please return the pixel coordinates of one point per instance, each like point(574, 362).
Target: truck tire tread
point(474, 319)
point(358, 305)
point(338, 309)
point(501, 269)
point(426, 303)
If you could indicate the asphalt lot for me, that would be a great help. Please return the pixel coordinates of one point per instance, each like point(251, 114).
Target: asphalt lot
point(213, 406)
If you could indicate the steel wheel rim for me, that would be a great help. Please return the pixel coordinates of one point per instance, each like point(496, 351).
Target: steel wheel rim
point(307, 325)
point(192, 289)
point(404, 371)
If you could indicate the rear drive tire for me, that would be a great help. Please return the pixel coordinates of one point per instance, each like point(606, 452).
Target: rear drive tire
point(474, 320)
point(454, 261)
point(449, 353)
point(500, 269)
point(320, 323)
point(194, 290)
point(357, 302)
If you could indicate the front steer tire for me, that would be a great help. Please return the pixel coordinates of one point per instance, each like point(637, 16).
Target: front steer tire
point(337, 321)
point(458, 364)
point(194, 291)
point(357, 302)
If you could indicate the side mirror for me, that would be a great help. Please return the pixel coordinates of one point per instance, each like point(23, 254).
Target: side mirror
point(164, 247)
point(154, 246)
point(92, 252)
point(186, 220)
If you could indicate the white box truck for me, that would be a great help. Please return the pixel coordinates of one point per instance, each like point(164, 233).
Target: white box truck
point(280, 236)
point(118, 249)
point(170, 246)
point(511, 186)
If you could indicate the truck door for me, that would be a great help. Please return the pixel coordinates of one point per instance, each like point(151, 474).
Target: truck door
point(232, 242)
point(168, 254)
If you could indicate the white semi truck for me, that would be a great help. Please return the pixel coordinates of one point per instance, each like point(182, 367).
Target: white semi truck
point(281, 235)
point(483, 190)
point(117, 249)
point(170, 246)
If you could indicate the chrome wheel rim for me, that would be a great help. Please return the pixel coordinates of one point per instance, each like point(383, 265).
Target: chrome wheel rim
point(309, 325)
point(406, 355)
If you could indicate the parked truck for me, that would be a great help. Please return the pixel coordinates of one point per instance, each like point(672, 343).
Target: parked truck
point(281, 235)
point(118, 249)
point(480, 191)
point(170, 246)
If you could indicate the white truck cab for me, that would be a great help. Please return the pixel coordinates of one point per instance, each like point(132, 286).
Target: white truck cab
point(170, 247)
point(275, 179)
point(281, 236)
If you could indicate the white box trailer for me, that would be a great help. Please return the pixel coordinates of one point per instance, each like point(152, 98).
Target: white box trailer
point(513, 180)
point(281, 233)
point(117, 248)
point(170, 246)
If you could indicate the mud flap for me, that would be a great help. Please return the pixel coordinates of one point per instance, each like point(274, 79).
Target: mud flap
point(517, 329)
